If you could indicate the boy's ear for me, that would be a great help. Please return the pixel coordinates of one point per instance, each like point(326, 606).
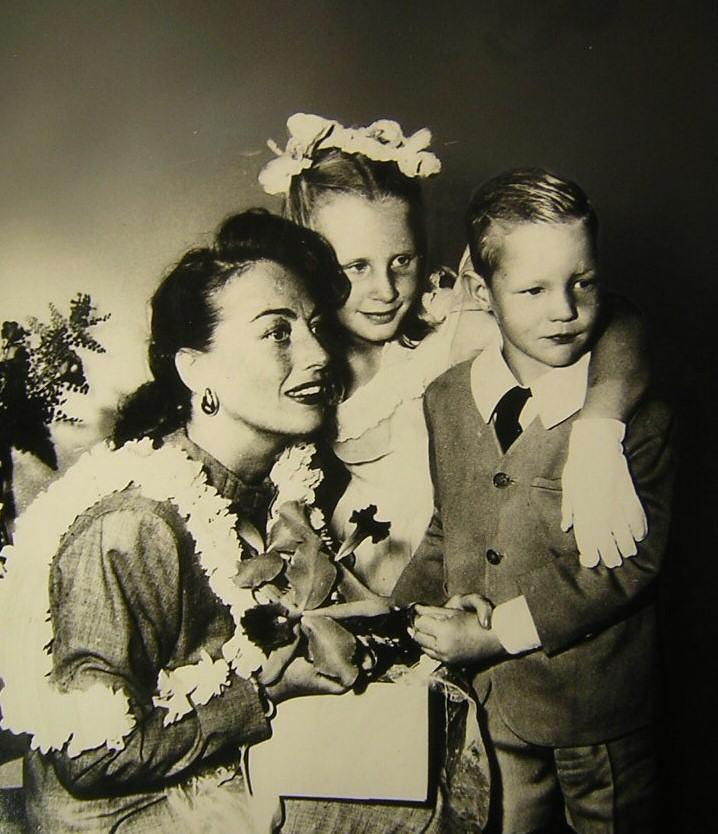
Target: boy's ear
point(189, 367)
point(477, 289)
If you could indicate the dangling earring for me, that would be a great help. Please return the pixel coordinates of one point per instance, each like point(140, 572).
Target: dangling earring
point(210, 402)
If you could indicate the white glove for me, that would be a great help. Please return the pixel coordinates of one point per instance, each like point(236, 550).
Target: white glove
point(599, 497)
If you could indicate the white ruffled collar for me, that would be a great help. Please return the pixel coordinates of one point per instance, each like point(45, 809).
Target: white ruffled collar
point(404, 374)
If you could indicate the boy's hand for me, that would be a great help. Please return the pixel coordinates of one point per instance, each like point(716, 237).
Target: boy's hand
point(455, 636)
point(481, 606)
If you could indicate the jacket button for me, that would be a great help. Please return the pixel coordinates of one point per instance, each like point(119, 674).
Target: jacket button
point(493, 557)
point(501, 480)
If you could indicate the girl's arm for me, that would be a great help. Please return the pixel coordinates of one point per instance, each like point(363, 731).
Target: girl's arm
point(619, 373)
point(599, 497)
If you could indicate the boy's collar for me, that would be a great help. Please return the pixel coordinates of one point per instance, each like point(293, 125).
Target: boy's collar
point(556, 395)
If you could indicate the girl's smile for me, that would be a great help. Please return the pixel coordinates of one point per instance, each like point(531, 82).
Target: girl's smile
point(381, 317)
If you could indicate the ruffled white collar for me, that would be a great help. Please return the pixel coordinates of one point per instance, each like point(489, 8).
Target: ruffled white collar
point(403, 375)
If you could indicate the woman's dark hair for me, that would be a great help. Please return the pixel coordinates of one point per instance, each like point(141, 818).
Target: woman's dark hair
point(334, 172)
point(185, 313)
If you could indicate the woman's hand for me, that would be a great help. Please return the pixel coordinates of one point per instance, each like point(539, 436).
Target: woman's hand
point(301, 678)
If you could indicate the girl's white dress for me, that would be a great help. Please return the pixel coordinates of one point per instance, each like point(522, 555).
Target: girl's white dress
point(383, 442)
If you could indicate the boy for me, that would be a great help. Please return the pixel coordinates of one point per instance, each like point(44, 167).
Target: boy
point(564, 662)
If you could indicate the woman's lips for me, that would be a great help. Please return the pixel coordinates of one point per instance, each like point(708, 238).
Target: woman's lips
point(309, 393)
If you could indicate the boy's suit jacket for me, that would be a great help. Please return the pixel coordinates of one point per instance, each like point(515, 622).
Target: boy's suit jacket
point(496, 531)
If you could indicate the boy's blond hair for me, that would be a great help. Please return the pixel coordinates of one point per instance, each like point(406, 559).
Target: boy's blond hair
point(522, 195)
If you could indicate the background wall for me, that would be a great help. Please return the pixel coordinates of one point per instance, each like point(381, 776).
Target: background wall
point(130, 129)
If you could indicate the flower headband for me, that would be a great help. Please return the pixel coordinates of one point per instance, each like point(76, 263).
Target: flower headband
point(382, 141)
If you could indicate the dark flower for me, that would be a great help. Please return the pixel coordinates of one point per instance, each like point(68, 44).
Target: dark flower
point(268, 626)
point(382, 642)
point(366, 526)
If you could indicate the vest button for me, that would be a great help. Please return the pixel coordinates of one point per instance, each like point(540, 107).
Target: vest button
point(501, 480)
point(493, 557)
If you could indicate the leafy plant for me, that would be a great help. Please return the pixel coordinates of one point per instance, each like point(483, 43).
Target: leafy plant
point(311, 604)
point(40, 365)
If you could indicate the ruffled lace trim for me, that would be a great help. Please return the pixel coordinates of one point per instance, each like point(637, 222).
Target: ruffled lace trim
point(404, 375)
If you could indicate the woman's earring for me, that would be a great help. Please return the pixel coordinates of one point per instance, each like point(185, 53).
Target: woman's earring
point(210, 402)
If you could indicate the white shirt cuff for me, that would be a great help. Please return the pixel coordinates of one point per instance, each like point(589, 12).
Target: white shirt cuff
point(513, 624)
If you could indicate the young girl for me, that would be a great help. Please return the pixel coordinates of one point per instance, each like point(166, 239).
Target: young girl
point(360, 188)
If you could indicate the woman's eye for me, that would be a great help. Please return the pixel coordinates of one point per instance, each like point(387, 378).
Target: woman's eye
point(317, 325)
point(279, 333)
point(533, 291)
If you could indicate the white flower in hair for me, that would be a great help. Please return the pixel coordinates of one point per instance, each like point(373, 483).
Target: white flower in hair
point(387, 132)
point(414, 160)
point(307, 130)
point(305, 133)
point(381, 141)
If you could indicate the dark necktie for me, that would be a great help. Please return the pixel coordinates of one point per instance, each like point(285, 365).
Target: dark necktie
point(507, 413)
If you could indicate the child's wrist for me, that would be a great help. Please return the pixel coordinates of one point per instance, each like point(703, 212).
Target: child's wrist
point(514, 627)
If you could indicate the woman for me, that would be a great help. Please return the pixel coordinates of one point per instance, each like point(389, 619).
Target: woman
point(360, 188)
point(141, 689)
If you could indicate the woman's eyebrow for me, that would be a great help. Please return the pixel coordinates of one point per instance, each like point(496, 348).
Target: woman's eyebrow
point(276, 311)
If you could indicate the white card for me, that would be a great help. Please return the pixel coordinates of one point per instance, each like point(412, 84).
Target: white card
point(369, 746)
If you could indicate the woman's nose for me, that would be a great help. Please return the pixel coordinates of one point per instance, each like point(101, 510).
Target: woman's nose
point(313, 353)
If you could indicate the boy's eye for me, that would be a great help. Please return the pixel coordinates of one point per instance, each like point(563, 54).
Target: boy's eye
point(586, 283)
point(533, 291)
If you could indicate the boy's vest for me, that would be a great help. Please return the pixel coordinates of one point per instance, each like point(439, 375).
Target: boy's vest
point(500, 516)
